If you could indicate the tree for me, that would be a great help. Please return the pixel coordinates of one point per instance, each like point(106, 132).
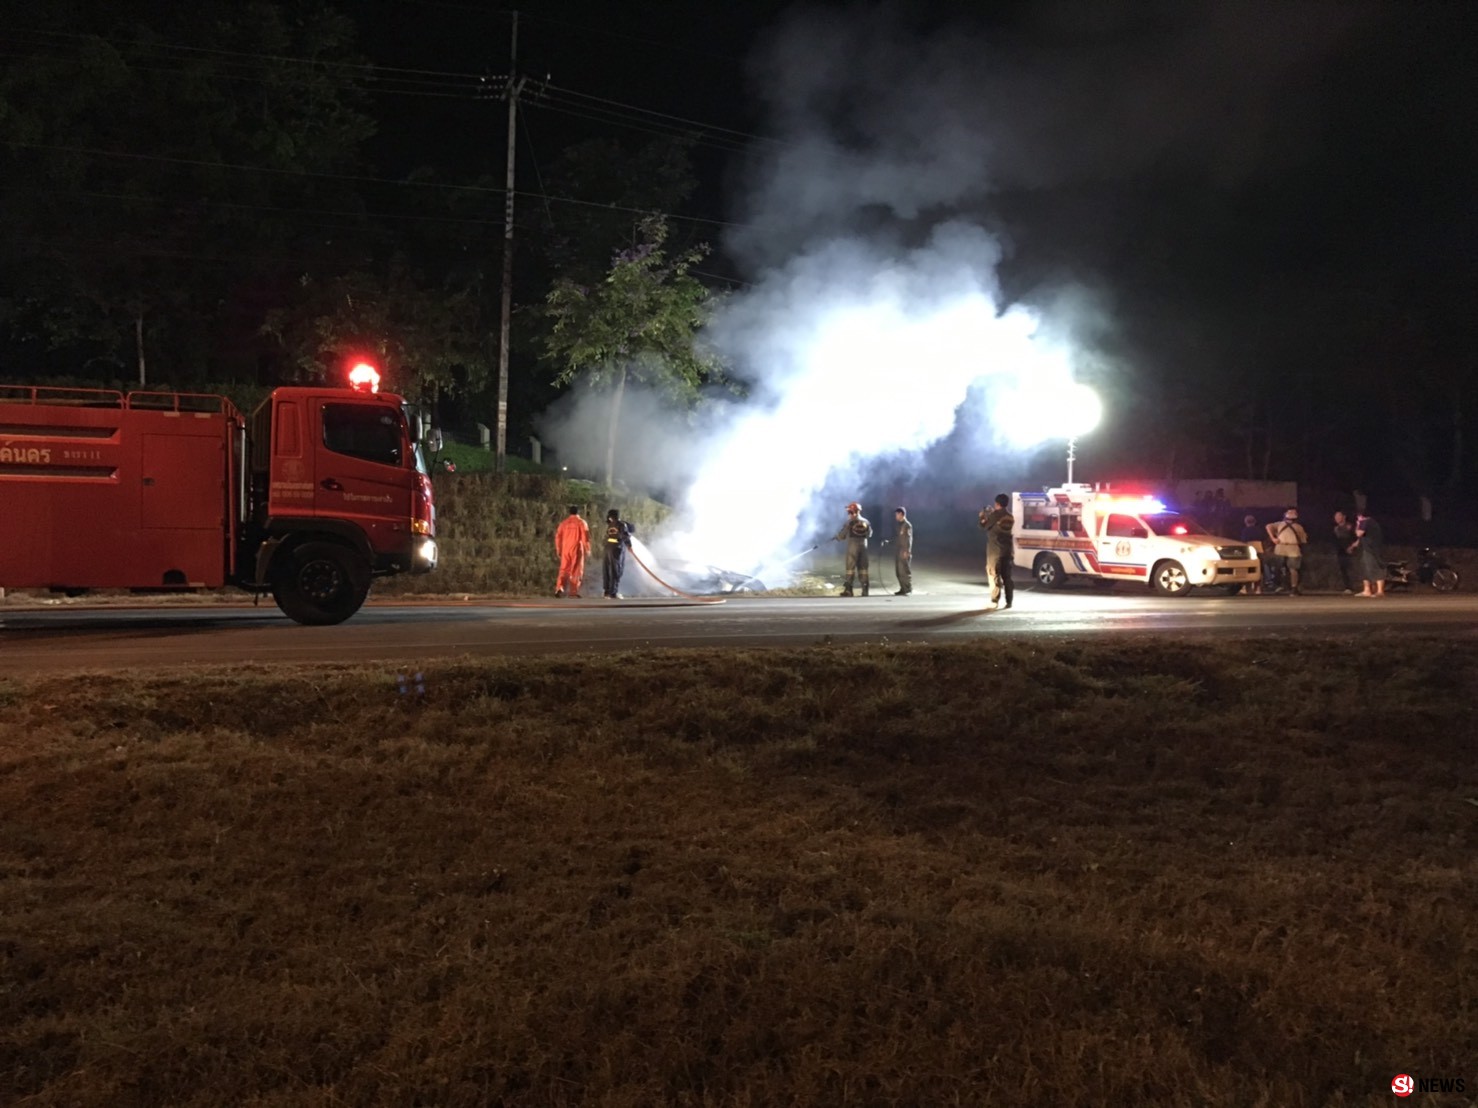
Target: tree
point(165, 164)
point(643, 319)
point(428, 339)
point(614, 185)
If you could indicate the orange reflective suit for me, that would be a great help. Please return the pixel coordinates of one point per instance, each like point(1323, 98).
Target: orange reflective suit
point(572, 543)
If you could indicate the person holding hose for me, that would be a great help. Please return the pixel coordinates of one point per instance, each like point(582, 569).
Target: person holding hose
point(618, 542)
point(572, 544)
point(855, 533)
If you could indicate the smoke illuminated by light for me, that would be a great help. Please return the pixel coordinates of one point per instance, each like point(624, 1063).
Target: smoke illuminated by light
point(873, 326)
point(873, 361)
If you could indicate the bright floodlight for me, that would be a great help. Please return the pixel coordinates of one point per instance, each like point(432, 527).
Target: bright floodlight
point(1081, 410)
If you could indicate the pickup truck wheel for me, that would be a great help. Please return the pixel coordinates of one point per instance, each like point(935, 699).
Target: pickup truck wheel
point(1048, 571)
point(324, 583)
point(1170, 579)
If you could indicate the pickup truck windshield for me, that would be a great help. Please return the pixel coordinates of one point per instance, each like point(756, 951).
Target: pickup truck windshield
point(1172, 524)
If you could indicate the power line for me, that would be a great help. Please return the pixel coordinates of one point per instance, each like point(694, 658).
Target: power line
point(721, 277)
point(363, 178)
point(460, 83)
point(367, 68)
point(584, 28)
point(533, 157)
point(372, 84)
point(237, 206)
point(661, 132)
point(662, 115)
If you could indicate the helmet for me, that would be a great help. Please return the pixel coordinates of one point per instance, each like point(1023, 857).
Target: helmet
point(854, 507)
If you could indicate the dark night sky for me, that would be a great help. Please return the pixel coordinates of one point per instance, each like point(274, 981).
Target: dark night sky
point(1270, 199)
point(1247, 187)
point(1357, 157)
point(1378, 114)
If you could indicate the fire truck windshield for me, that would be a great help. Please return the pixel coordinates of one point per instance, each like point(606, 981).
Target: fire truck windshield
point(1172, 524)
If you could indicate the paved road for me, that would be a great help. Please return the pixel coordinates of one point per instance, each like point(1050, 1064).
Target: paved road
point(946, 608)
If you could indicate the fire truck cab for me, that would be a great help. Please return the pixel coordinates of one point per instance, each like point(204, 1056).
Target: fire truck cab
point(317, 493)
point(1089, 532)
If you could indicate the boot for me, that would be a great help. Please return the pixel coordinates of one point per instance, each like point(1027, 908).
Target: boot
point(846, 592)
point(864, 590)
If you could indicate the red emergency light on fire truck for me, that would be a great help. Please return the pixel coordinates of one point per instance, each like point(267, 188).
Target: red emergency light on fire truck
point(316, 493)
point(1093, 533)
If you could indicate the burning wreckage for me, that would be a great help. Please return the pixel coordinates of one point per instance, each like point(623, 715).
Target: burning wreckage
point(663, 577)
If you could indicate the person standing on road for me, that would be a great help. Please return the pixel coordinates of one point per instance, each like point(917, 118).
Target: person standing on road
point(1370, 547)
point(855, 533)
point(1344, 540)
point(1253, 536)
point(903, 551)
point(1289, 538)
point(618, 542)
point(998, 522)
point(572, 544)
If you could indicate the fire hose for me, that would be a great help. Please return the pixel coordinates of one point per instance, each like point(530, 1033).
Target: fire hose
point(793, 557)
point(673, 588)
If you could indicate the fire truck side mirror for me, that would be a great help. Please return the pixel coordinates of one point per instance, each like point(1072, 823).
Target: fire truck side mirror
point(435, 440)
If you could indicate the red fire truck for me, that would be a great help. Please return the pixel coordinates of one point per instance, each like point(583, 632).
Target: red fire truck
point(318, 492)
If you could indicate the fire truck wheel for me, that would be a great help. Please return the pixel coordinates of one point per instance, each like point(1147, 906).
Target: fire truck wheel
point(324, 584)
point(1048, 571)
point(1170, 578)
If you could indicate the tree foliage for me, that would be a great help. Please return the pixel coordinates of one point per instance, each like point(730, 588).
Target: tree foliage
point(427, 340)
point(607, 187)
point(162, 168)
point(644, 319)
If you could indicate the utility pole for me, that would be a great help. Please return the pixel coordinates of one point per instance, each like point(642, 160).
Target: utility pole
point(515, 86)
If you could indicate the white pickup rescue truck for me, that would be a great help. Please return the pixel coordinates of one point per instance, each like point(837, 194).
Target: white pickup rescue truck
point(1091, 533)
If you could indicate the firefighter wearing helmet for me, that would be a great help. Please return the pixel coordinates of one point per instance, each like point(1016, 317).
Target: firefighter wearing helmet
point(855, 533)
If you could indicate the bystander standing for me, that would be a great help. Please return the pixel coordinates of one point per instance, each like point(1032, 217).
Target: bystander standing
point(998, 522)
point(1370, 546)
point(1344, 541)
point(1289, 539)
point(1253, 535)
point(903, 551)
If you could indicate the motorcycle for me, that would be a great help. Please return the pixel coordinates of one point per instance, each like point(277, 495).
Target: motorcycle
point(1430, 569)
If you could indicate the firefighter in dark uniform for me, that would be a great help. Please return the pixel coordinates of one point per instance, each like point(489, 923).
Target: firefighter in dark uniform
point(855, 533)
point(618, 542)
point(997, 522)
point(903, 551)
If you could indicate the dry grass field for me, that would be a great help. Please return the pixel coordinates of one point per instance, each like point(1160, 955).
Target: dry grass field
point(1198, 872)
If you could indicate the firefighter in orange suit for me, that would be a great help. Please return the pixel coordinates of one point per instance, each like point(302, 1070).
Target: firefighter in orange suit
point(572, 544)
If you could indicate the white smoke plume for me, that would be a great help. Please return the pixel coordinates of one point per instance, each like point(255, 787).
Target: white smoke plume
point(876, 326)
point(859, 351)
